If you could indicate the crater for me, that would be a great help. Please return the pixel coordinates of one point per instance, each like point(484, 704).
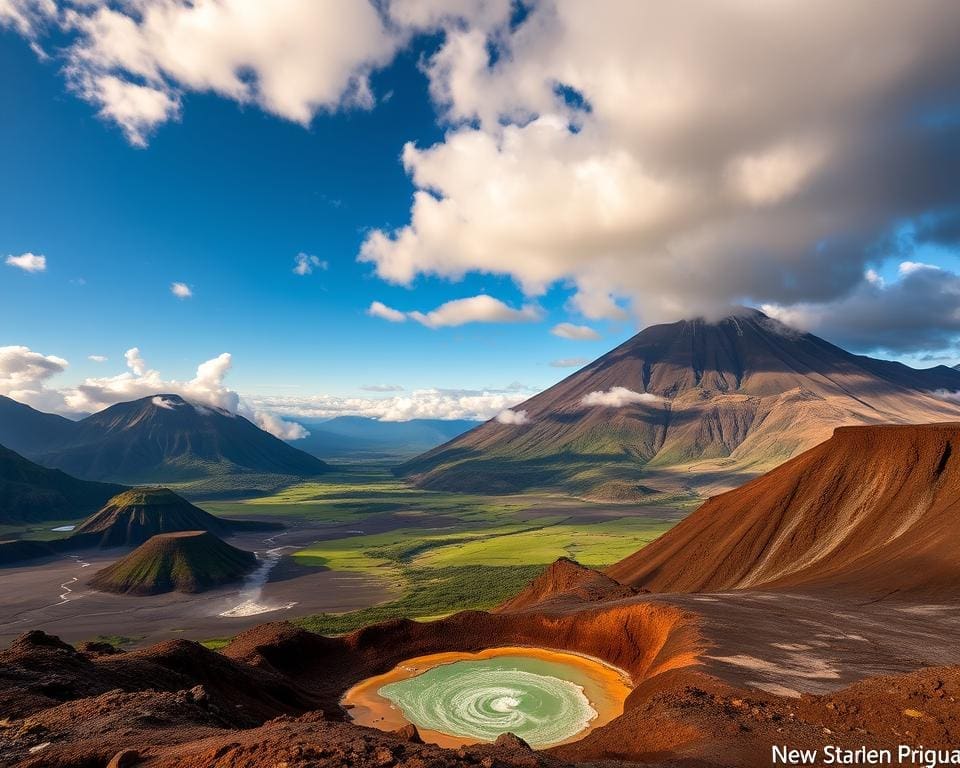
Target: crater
point(544, 696)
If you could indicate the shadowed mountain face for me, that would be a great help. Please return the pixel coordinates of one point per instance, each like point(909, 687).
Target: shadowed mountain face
point(721, 402)
point(188, 561)
point(873, 510)
point(31, 493)
point(166, 439)
point(27, 431)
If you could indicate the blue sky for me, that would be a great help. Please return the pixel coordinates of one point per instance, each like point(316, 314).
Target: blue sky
point(601, 184)
point(224, 200)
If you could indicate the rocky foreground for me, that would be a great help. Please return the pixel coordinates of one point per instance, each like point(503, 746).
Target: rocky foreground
point(271, 698)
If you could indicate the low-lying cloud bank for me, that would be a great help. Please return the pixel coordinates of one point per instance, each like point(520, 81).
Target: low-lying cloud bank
point(27, 376)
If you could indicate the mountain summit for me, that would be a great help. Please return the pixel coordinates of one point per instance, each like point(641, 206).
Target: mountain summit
point(163, 439)
point(691, 405)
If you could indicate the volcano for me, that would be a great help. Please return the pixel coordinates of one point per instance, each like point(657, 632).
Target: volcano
point(872, 511)
point(166, 439)
point(691, 406)
point(187, 561)
point(132, 517)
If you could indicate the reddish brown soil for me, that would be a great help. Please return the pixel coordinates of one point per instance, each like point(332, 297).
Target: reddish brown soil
point(872, 511)
point(718, 679)
point(565, 581)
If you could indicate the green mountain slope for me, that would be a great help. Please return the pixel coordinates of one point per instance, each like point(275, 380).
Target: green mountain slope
point(188, 561)
point(31, 493)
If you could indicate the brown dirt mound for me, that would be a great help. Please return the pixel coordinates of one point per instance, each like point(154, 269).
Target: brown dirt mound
point(873, 510)
point(565, 583)
point(187, 561)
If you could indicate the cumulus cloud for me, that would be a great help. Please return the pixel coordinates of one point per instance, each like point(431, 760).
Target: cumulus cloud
point(206, 388)
point(476, 309)
point(28, 262)
point(97, 358)
point(181, 290)
point(617, 397)
point(918, 311)
point(381, 310)
point(278, 427)
point(135, 61)
point(516, 418)
point(591, 149)
point(307, 263)
point(574, 332)
point(24, 375)
point(569, 362)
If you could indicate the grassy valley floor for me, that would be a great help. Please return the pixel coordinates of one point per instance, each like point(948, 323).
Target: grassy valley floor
point(442, 552)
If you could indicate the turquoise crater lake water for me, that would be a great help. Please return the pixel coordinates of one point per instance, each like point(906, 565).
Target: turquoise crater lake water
point(544, 696)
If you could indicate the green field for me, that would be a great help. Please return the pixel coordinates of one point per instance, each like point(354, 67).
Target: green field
point(448, 552)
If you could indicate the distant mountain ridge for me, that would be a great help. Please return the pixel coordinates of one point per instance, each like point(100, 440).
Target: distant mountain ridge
point(363, 437)
point(162, 438)
point(704, 407)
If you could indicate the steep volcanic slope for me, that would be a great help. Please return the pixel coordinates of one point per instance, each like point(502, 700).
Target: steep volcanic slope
point(29, 492)
point(721, 402)
point(132, 517)
point(164, 438)
point(188, 561)
point(873, 510)
point(565, 581)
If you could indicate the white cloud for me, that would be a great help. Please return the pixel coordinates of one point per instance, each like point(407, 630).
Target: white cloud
point(306, 263)
point(97, 358)
point(27, 16)
point(478, 405)
point(569, 362)
point(278, 427)
point(576, 332)
point(382, 388)
point(181, 290)
point(381, 310)
point(134, 61)
point(516, 418)
point(162, 402)
point(24, 375)
point(617, 397)
point(28, 262)
point(638, 186)
point(476, 309)
point(909, 267)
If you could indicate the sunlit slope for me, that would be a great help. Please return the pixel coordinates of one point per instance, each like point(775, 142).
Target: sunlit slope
point(725, 401)
point(872, 510)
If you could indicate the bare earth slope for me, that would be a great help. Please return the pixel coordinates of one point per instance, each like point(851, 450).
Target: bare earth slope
point(188, 561)
point(873, 510)
point(730, 400)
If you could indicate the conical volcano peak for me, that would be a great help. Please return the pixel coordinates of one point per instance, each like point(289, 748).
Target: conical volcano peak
point(699, 401)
